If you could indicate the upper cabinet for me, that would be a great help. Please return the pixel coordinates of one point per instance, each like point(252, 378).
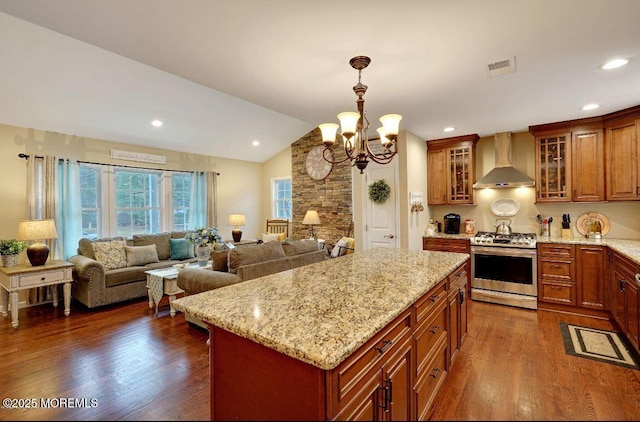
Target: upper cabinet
point(451, 170)
point(623, 149)
point(570, 161)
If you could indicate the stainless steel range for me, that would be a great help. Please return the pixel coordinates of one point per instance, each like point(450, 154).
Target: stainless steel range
point(504, 269)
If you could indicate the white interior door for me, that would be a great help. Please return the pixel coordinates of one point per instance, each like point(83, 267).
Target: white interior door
point(381, 220)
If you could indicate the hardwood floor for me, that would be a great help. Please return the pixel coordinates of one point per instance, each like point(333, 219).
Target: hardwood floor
point(141, 367)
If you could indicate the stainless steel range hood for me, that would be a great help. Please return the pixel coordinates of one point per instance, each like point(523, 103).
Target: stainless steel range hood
point(503, 175)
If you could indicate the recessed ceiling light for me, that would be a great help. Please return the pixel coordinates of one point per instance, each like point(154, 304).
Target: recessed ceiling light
point(449, 129)
point(615, 64)
point(255, 143)
point(590, 107)
point(157, 123)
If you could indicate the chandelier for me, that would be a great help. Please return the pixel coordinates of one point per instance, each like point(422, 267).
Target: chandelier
point(354, 127)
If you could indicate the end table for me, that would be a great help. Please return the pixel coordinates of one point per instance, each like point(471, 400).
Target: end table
point(25, 276)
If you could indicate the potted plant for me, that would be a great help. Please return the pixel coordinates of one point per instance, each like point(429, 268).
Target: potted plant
point(9, 251)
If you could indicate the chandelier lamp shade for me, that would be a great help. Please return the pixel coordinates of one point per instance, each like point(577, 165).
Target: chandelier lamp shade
point(355, 125)
point(37, 231)
point(236, 220)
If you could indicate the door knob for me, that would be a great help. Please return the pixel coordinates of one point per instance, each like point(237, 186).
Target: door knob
point(390, 236)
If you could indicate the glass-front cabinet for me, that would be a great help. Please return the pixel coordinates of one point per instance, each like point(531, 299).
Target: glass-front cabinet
point(553, 154)
point(460, 175)
point(451, 170)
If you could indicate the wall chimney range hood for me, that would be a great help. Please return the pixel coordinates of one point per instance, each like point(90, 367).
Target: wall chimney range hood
point(503, 175)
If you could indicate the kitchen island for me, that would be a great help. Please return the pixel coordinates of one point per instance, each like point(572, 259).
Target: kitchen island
point(311, 342)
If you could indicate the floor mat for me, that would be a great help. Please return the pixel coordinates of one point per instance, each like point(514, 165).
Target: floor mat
point(601, 345)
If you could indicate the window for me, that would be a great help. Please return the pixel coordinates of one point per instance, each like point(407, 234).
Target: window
point(181, 198)
point(120, 201)
point(281, 198)
point(137, 205)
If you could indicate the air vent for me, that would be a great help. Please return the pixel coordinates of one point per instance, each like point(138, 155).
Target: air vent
point(501, 67)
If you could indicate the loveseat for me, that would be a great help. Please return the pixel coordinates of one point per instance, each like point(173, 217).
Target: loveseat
point(246, 263)
point(112, 270)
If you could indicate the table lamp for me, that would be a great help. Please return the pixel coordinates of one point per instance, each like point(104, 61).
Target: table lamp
point(37, 230)
point(236, 220)
point(311, 219)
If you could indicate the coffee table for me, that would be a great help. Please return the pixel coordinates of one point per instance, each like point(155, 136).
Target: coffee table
point(164, 281)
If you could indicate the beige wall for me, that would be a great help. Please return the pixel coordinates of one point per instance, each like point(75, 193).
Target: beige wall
point(239, 183)
point(413, 178)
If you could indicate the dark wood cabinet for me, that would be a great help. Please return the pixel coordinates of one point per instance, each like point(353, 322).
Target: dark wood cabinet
point(457, 297)
point(386, 393)
point(625, 298)
point(623, 163)
point(556, 274)
point(570, 163)
point(592, 285)
point(451, 170)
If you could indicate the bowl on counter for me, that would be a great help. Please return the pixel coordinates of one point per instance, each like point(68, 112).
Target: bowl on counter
point(179, 266)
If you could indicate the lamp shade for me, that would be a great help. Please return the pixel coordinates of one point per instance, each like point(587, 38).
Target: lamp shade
point(236, 220)
point(311, 218)
point(36, 230)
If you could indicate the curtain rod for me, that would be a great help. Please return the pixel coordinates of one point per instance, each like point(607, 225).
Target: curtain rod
point(26, 156)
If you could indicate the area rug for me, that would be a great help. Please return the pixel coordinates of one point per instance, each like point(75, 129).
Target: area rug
point(600, 345)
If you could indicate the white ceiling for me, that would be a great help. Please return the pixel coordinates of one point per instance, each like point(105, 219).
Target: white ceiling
point(222, 74)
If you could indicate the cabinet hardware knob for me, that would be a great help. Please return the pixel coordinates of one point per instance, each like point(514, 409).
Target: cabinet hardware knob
point(434, 329)
point(434, 298)
point(461, 297)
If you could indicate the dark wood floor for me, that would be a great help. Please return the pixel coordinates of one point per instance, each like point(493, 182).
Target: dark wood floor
point(140, 367)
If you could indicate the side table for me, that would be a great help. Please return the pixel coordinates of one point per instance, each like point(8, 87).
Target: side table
point(163, 281)
point(25, 276)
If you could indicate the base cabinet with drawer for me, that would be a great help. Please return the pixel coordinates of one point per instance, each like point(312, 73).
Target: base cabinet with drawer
point(556, 274)
point(573, 278)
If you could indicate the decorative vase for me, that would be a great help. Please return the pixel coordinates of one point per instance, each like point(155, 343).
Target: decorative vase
point(9, 260)
point(202, 253)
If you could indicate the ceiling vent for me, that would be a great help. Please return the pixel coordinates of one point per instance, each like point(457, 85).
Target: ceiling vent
point(501, 67)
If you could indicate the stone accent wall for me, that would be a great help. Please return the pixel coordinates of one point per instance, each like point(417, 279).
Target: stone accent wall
point(331, 196)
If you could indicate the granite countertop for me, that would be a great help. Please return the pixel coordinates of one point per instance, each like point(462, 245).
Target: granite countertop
point(322, 313)
point(627, 247)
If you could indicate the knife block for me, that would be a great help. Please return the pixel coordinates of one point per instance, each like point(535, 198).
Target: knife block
point(567, 233)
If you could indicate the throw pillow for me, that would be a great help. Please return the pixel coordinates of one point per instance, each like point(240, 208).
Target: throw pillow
point(339, 249)
point(181, 249)
point(268, 237)
point(219, 260)
point(111, 254)
point(141, 255)
point(282, 237)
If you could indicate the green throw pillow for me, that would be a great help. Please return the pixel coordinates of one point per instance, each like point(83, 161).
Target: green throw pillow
point(181, 249)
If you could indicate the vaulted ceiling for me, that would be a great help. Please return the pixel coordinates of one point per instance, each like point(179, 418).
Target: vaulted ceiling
point(222, 74)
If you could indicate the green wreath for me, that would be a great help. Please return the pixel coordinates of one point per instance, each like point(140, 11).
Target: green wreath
point(379, 191)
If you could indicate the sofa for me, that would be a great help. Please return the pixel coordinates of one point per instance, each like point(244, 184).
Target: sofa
point(112, 270)
point(246, 263)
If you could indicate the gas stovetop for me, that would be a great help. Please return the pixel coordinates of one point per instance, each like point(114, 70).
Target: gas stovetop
point(513, 240)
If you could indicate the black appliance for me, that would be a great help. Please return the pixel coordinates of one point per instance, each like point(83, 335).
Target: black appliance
point(452, 223)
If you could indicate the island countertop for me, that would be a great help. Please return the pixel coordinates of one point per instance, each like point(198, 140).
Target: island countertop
point(321, 313)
